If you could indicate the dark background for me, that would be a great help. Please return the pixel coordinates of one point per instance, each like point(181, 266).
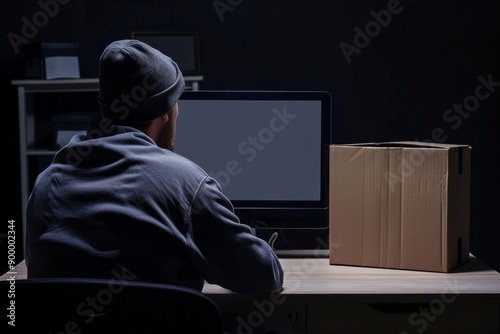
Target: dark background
point(398, 87)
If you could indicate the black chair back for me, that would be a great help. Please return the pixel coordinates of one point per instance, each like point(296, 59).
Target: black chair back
point(64, 305)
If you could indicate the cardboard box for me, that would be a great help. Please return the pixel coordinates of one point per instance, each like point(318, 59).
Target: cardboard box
point(400, 205)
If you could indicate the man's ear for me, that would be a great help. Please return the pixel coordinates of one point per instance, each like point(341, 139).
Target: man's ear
point(165, 118)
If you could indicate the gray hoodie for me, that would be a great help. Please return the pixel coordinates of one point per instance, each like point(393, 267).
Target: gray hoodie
point(120, 206)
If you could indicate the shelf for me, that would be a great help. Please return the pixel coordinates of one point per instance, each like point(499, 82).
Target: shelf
point(58, 85)
point(79, 85)
point(40, 151)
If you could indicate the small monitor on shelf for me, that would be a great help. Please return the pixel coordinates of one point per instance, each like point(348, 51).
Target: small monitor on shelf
point(182, 46)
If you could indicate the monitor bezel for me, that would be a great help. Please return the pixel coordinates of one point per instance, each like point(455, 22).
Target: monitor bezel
point(286, 213)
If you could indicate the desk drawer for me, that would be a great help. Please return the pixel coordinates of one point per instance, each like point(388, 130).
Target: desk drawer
point(440, 318)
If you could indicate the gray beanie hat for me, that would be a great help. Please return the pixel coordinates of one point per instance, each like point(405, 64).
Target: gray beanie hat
point(137, 83)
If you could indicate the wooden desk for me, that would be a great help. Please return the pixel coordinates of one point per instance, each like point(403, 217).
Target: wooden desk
point(323, 298)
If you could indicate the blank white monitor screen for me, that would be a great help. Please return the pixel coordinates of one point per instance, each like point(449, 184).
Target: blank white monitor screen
point(266, 149)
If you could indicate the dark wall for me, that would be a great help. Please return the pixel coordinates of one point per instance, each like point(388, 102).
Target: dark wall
point(405, 80)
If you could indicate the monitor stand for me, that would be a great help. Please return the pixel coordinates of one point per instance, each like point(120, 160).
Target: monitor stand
point(296, 242)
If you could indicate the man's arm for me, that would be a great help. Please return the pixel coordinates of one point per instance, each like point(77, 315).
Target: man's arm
point(225, 251)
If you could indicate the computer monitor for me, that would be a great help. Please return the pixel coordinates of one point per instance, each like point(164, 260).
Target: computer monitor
point(267, 149)
point(182, 46)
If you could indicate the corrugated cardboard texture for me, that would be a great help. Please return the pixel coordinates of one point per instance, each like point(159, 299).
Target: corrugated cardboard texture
point(400, 205)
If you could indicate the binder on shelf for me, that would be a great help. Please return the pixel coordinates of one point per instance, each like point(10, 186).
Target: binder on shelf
point(52, 61)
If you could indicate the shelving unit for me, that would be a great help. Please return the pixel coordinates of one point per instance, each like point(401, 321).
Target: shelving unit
point(29, 146)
